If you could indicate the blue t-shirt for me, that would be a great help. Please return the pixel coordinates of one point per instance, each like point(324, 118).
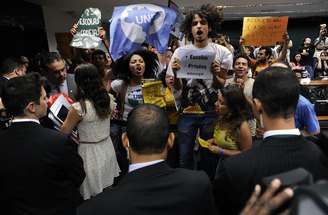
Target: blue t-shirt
point(305, 116)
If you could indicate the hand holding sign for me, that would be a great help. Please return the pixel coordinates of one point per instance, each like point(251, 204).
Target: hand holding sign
point(216, 68)
point(74, 29)
point(286, 39)
point(209, 144)
point(176, 65)
point(102, 33)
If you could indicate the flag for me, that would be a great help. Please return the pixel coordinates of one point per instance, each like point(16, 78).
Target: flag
point(134, 24)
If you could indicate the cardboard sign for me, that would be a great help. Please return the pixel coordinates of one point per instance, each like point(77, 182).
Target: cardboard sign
point(264, 31)
point(87, 35)
point(195, 64)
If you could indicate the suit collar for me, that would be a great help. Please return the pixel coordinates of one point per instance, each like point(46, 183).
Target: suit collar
point(283, 139)
point(24, 124)
point(145, 172)
point(3, 78)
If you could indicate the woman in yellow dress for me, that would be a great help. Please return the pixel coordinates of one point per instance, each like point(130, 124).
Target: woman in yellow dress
point(232, 133)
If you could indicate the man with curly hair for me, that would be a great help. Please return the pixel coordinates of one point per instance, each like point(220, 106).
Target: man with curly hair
point(199, 96)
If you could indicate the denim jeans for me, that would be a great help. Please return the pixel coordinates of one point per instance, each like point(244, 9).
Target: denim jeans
point(116, 131)
point(188, 126)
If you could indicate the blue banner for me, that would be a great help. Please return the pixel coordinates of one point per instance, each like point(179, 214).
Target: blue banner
point(134, 24)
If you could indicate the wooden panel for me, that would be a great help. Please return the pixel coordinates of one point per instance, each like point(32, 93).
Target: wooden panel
point(317, 83)
point(323, 118)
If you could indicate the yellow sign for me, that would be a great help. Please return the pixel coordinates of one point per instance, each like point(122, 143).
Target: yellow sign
point(152, 93)
point(203, 142)
point(264, 31)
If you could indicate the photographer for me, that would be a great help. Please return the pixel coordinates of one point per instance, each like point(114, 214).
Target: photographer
point(321, 67)
point(321, 43)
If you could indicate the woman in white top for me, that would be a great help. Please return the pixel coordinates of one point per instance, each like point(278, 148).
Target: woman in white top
point(131, 70)
point(91, 114)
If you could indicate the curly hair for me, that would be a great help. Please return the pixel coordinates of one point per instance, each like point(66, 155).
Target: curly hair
point(122, 70)
point(239, 110)
point(90, 87)
point(211, 13)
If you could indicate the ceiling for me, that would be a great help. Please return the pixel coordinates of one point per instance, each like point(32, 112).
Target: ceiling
point(233, 9)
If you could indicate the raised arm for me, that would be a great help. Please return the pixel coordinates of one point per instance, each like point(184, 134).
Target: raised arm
point(283, 54)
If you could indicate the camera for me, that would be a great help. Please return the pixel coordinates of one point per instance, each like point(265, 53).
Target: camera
point(294, 179)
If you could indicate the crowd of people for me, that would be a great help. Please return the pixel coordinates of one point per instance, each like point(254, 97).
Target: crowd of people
point(136, 158)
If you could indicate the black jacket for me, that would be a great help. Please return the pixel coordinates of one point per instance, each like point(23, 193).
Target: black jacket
point(41, 171)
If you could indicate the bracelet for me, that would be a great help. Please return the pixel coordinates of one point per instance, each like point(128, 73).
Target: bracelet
point(221, 152)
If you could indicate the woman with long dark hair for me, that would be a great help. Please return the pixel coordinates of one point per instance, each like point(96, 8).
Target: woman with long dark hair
point(232, 133)
point(131, 70)
point(297, 66)
point(91, 114)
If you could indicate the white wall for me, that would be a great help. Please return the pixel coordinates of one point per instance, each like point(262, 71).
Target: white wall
point(55, 21)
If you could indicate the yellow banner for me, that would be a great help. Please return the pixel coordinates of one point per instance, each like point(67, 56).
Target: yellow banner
point(152, 93)
point(264, 31)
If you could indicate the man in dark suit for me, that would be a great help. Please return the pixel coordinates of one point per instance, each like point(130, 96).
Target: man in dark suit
point(151, 186)
point(41, 170)
point(275, 95)
point(59, 81)
point(10, 68)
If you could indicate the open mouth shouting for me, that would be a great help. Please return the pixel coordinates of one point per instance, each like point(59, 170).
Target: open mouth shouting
point(199, 32)
point(139, 70)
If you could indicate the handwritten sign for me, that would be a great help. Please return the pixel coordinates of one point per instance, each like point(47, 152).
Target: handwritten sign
point(87, 35)
point(264, 31)
point(195, 64)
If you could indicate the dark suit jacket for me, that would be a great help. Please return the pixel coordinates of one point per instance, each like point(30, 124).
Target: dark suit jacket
point(238, 175)
point(3, 82)
point(153, 190)
point(71, 87)
point(41, 171)
point(52, 89)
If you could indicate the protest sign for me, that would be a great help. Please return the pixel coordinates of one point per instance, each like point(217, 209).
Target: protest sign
point(87, 35)
point(195, 64)
point(132, 25)
point(153, 94)
point(203, 143)
point(264, 31)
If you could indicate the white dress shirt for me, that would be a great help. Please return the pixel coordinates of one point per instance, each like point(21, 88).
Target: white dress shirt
point(270, 133)
point(136, 166)
point(63, 87)
point(26, 120)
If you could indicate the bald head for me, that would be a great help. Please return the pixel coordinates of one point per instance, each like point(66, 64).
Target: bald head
point(147, 129)
point(279, 64)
